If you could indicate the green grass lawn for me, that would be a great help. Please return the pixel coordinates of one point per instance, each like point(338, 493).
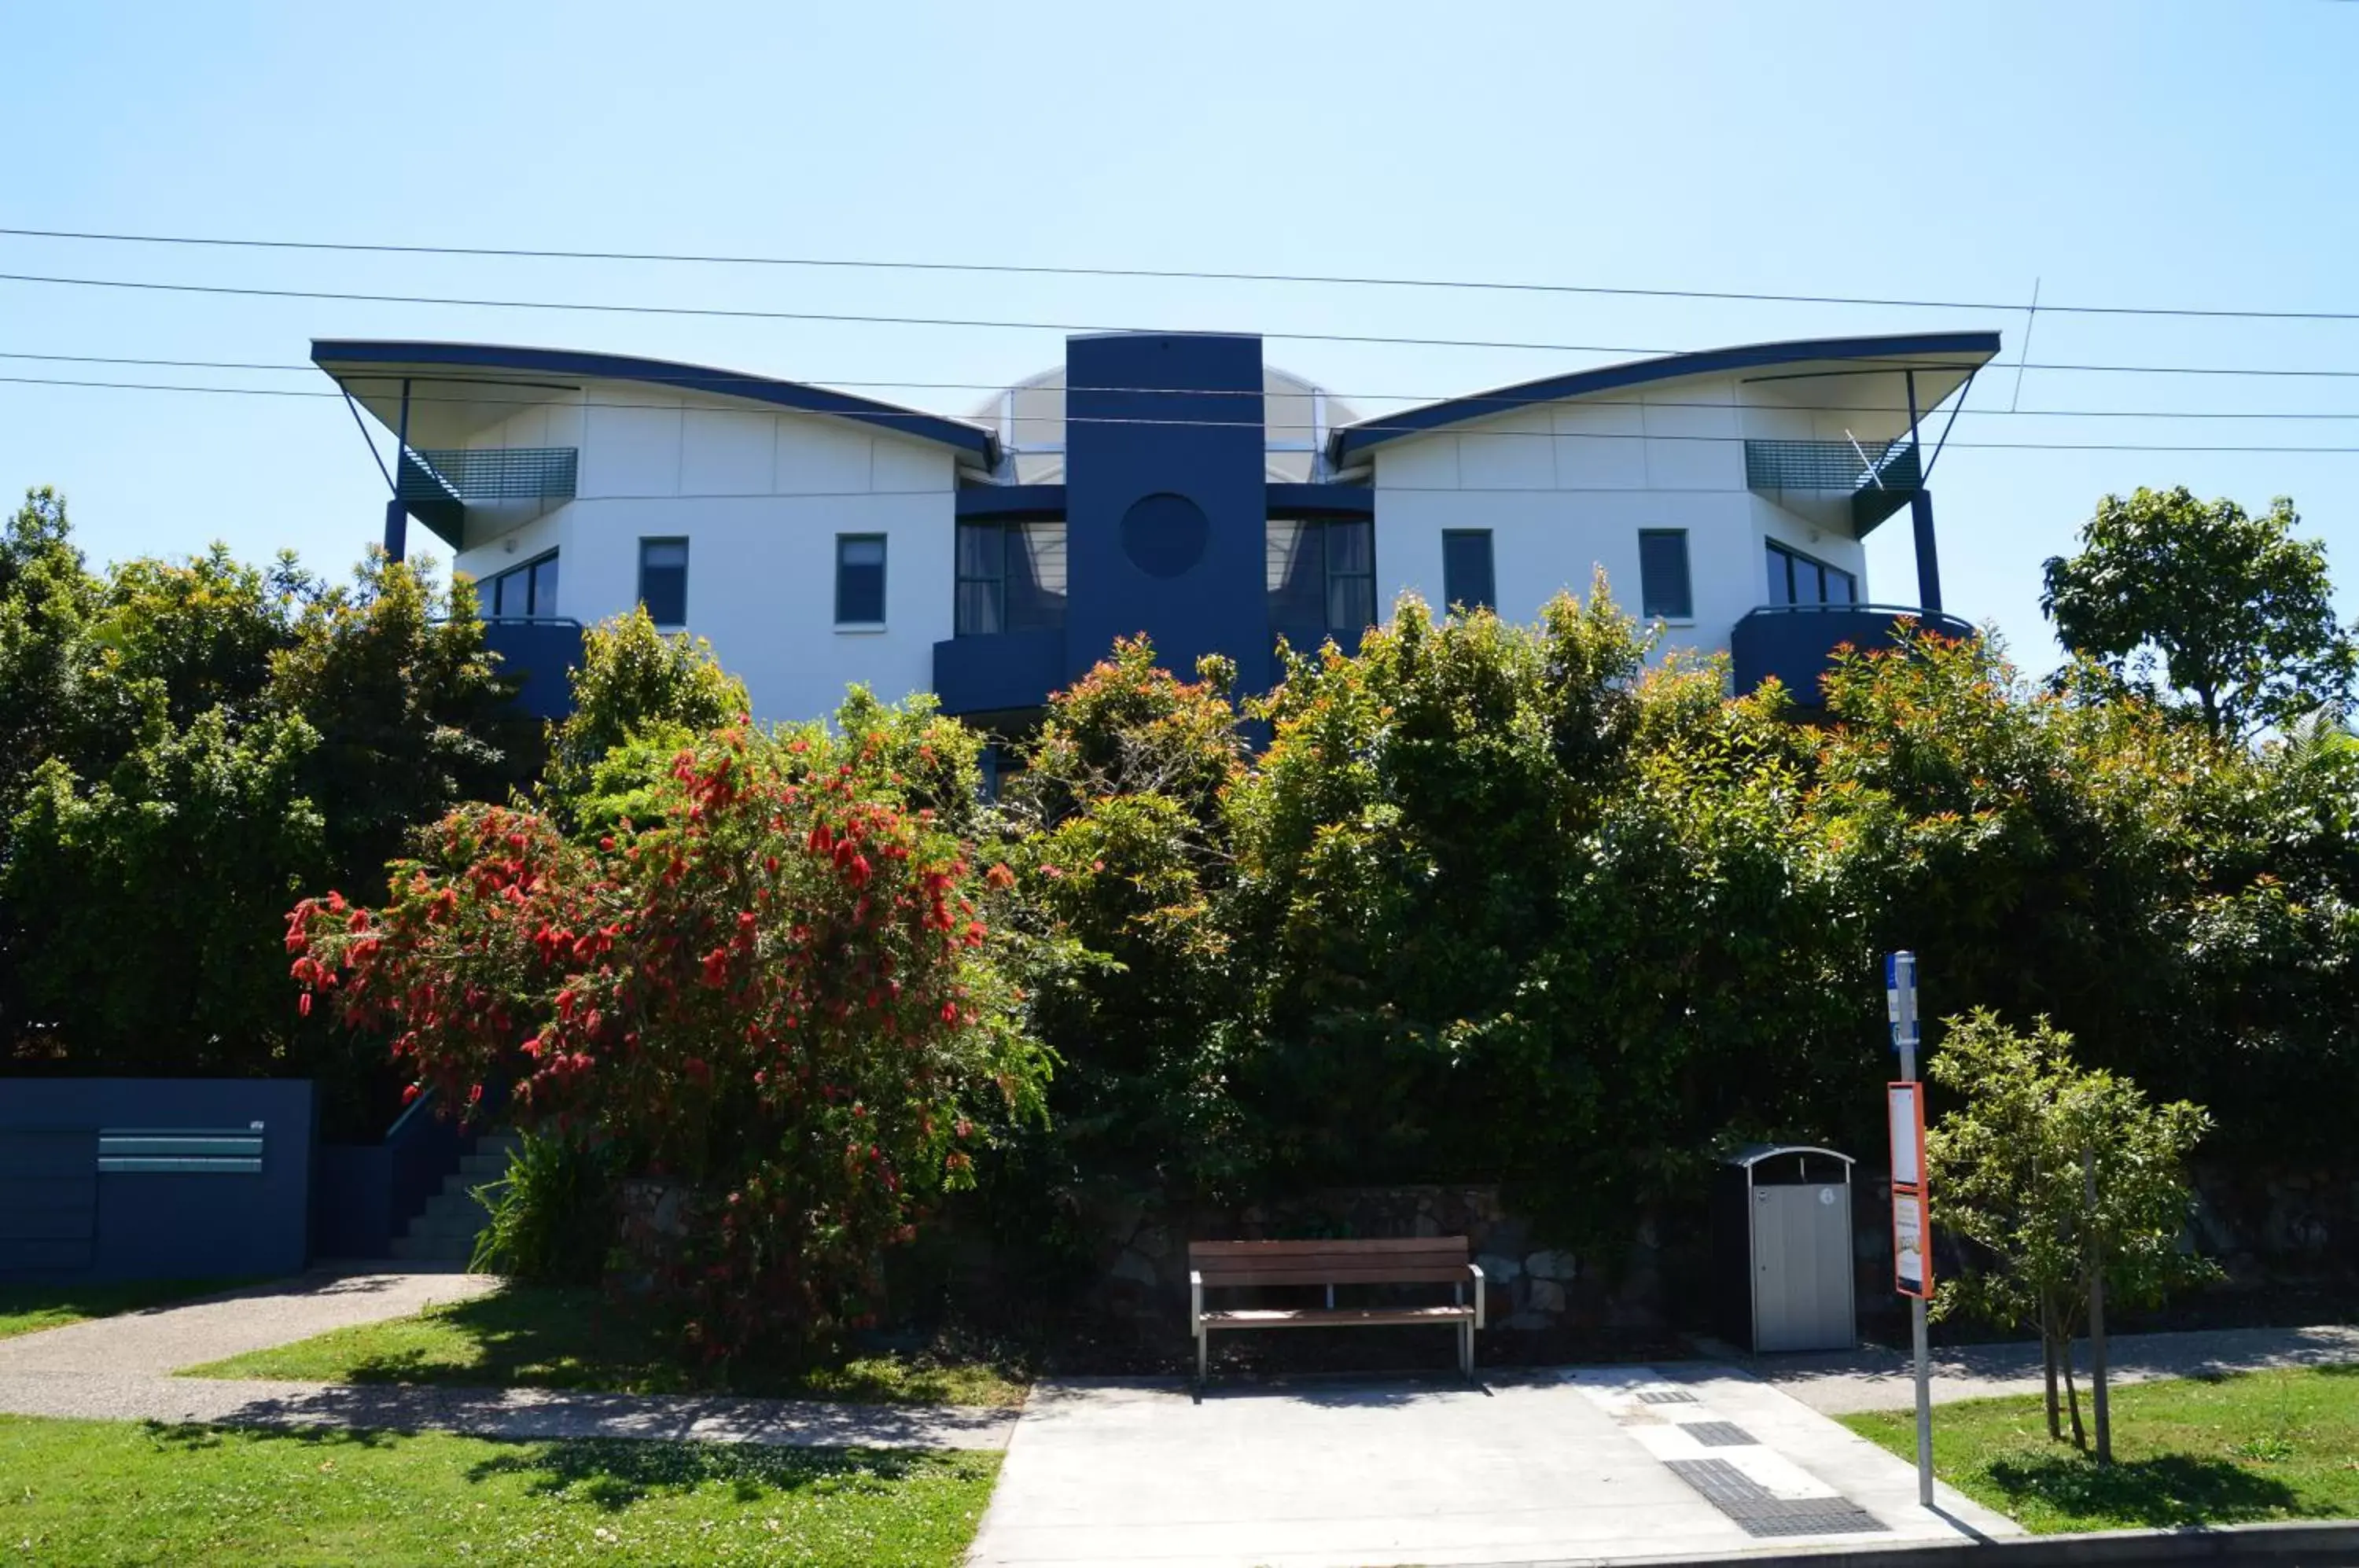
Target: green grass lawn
point(526, 1336)
point(25, 1308)
point(124, 1492)
point(2259, 1445)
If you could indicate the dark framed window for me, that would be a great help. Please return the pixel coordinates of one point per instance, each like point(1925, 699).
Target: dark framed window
point(1011, 578)
point(663, 580)
point(1664, 590)
point(1799, 579)
point(860, 580)
point(529, 591)
point(1468, 579)
point(1322, 575)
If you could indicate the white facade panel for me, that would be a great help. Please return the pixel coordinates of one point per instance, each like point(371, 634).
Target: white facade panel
point(727, 451)
point(630, 444)
point(820, 456)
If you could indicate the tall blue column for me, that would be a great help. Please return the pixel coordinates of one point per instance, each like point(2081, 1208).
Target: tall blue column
point(1929, 558)
point(396, 529)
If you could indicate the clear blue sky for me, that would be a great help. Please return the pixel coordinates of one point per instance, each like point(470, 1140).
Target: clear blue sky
point(2166, 152)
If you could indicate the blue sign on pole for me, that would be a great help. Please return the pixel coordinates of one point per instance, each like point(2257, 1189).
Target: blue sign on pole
point(1900, 998)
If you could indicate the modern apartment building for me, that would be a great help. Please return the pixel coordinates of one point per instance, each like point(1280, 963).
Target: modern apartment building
point(1173, 485)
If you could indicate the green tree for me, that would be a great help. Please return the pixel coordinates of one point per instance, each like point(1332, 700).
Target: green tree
point(2238, 610)
point(412, 715)
point(638, 696)
point(147, 905)
point(2056, 1175)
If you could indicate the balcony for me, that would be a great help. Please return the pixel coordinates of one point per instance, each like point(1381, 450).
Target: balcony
point(1796, 643)
point(545, 651)
point(439, 486)
point(999, 672)
point(1851, 485)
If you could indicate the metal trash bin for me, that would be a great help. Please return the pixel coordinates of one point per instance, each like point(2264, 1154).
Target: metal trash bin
point(1783, 1277)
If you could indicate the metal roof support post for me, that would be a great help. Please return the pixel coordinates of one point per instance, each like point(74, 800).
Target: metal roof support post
point(1920, 517)
point(396, 515)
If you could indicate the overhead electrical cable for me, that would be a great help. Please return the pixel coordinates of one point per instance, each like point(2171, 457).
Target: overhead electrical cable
point(747, 313)
point(1208, 275)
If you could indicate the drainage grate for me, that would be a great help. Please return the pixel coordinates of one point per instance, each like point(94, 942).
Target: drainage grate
point(1757, 1512)
point(1667, 1396)
point(1718, 1434)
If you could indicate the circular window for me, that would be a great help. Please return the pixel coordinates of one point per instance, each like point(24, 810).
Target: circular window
point(1164, 534)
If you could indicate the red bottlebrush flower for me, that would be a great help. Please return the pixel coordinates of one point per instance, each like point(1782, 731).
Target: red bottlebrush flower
point(606, 843)
point(408, 1093)
point(716, 968)
point(950, 1012)
point(1000, 876)
point(856, 871)
point(303, 1004)
point(1051, 873)
point(474, 1093)
point(335, 903)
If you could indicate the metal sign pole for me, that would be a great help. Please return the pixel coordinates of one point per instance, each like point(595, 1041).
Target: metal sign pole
point(1900, 995)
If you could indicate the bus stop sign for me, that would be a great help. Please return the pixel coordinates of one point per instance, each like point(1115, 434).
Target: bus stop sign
point(1900, 998)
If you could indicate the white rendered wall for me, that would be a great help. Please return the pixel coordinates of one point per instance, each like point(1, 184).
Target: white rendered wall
point(760, 496)
point(1566, 487)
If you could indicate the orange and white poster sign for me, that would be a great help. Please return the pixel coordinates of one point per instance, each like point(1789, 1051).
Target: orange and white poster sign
point(1912, 1243)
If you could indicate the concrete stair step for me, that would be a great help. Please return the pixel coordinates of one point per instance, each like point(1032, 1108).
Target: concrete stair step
point(434, 1249)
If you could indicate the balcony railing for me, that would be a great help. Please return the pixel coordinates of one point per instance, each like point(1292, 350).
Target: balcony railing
point(439, 486)
point(1796, 643)
point(1879, 477)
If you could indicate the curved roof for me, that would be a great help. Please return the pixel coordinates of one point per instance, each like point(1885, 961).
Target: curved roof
point(366, 367)
point(1958, 351)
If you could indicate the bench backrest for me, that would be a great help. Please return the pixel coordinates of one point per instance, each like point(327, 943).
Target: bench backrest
point(1439, 1259)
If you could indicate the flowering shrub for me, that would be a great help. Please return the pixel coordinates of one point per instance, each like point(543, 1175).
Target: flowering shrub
point(780, 993)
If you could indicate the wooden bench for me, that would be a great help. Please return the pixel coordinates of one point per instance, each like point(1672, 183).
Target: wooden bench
point(1426, 1260)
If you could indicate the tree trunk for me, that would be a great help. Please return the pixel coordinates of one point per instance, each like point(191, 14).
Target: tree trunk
point(2048, 1354)
point(2072, 1402)
point(2096, 1311)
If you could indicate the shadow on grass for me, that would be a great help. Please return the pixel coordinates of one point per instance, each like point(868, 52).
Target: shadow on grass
point(581, 1339)
point(187, 1437)
point(2167, 1490)
point(614, 1473)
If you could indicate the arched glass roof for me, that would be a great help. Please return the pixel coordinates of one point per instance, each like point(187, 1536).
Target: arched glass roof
point(1030, 417)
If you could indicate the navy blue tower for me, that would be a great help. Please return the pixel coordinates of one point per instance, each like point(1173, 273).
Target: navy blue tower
point(1164, 498)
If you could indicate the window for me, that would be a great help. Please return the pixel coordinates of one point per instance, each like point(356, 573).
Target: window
point(1467, 581)
point(1011, 578)
point(1664, 593)
point(663, 580)
point(526, 592)
point(1796, 579)
point(860, 580)
point(1322, 575)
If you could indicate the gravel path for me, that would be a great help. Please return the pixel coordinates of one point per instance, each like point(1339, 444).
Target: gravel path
point(1839, 1383)
point(120, 1368)
point(164, 1339)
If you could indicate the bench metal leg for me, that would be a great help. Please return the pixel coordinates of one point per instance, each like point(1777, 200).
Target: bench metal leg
point(1204, 1343)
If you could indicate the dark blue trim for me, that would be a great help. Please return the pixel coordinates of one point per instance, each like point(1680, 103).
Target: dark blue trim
point(1319, 501)
point(1359, 438)
point(351, 355)
point(1011, 503)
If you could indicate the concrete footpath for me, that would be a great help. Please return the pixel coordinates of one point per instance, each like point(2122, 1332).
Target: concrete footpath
point(120, 1368)
point(1591, 1464)
point(1842, 1382)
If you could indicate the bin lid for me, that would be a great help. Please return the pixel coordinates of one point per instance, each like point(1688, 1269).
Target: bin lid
point(1753, 1154)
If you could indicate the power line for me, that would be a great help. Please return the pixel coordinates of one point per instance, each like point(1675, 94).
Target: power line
point(961, 321)
point(720, 382)
point(1202, 424)
point(1167, 274)
point(725, 381)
